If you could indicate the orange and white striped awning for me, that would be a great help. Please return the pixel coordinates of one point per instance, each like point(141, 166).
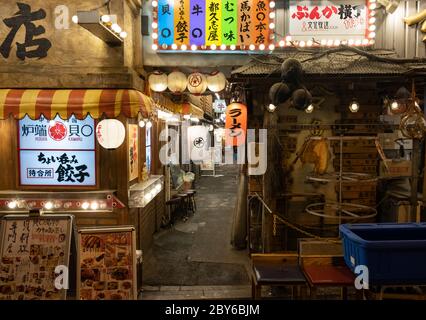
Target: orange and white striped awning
point(108, 102)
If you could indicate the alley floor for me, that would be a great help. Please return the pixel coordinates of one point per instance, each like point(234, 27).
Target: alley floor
point(194, 258)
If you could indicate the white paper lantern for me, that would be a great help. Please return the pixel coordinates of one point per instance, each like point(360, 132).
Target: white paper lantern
point(177, 81)
point(216, 82)
point(110, 133)
point(197, 83)
point(157, 81)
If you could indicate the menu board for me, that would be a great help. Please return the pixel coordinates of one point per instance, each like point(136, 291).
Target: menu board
point(31, 248)
point(106, 264)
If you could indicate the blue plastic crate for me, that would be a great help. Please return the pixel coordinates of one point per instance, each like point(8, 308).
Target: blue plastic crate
point(394, 253)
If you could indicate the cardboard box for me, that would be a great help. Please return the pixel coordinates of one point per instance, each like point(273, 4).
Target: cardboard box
point(396, 168)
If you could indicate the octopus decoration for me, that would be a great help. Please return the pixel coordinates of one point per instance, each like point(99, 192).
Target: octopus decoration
point(291, 86)
point(420, 19)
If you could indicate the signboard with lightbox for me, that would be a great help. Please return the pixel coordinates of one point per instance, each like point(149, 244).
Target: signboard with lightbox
point(57, 152)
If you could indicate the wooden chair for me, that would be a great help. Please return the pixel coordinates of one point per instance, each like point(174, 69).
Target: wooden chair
point(323, 266)
point(275, 269)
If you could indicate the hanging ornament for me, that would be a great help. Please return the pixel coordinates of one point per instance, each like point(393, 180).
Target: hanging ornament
point(236, 124)
point(301, 99)
point(413, 123)
point(279, 93)
point(292, 71)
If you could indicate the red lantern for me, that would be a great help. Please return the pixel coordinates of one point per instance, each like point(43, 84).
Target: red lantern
point(236, 124)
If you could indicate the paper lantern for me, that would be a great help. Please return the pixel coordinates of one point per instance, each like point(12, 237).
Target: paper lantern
point(177, 81)
point(216, 82)
point(157, 81)
point(235, 124)
point(110, 133)
point(197, 83)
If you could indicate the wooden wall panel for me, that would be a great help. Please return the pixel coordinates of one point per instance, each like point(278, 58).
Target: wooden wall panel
point(8, 152)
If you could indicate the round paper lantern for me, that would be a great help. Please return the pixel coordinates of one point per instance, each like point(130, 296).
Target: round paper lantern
point(197, 83)
point(157, 81)
point(279, 93)
point(291, 71)
point(216, 82)
point(177, 82)
point(236, 124)
point(110, 133)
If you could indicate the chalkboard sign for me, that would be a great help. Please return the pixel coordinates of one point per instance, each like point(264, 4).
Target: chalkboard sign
point(30, 250)
point(106, 264)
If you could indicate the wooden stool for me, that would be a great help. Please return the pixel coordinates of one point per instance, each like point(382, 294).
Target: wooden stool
point(191, 200)
point(184, 204)
point(174, 204)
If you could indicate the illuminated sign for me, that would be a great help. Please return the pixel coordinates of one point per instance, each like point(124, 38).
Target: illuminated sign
point(58, 152)
point(331, 22)
point(213, 24)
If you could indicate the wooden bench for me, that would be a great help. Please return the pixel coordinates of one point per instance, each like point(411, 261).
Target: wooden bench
point(275, 269)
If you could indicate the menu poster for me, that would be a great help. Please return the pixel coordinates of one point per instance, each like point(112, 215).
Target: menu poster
point(106, 264)
point(31, 248)
point(133, 152)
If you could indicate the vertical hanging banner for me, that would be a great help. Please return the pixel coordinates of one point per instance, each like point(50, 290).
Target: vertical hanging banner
point(229, 22)
point(197, 22)
point(181, 22)
point(165, 22)
point(213, 22)
point(260, 18)
point(235, 124)
point(245, 22)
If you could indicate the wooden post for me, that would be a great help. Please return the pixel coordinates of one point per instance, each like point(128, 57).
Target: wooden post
point(270, 122)
point(415, 162)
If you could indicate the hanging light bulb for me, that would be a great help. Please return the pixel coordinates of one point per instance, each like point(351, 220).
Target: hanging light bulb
point(149, 124)
point(106, 18)
point(12, 204)
point(85, 205)
point(272, 107)
point(211, 128)
point(354, 106)
point(141, 123)
point(154, 47)
point(394, 105)
point(310, 109)
point(233, 47)
point(48, 205)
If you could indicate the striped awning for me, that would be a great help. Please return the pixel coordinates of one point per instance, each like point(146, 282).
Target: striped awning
point(108, 102)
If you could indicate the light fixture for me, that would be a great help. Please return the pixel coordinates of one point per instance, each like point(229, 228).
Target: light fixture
point(272, 15)
point(195, 119)
point(141, 123)
point(48, 205)
point(123, 34)
point(310, 109)
point(217, 120)
point(154, 3)
point(272, 25)
point(106, 18)
point(252, 47)
point(158, 187)
point(75, 19)
point(213, 47)
point(154, 47)
point(223, 47)
point(106, 30)
point(85, 205)
point(94, 205)
point(154, 35)
point(272, 107)
point(261, 46)
point(149, 124)
point(187, 116)
point(394, 105)
point(12, 204)
point(302, 44)
point(233, 47)
point(272, 4)
point(183, 47)
point(354, 106)
point(174, 46)
point(309, 43)
point(281, 43)
point(193, 47)
point(154, 25)
point(116, 28)
point(211, 128)
point(272, 47)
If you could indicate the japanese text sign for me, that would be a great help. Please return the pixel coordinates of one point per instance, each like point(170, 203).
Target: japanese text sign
point(213, 23)
point(328, 20)
point(31, 249)
point(235, 124)
point(58, 152)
